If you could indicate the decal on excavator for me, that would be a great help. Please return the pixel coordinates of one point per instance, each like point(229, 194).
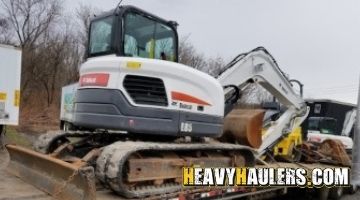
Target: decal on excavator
point(179, 96)
point(186, 127)
point(133, 65)
point(96, 79)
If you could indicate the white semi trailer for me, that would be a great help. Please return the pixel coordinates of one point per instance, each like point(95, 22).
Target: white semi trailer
point(10, 73)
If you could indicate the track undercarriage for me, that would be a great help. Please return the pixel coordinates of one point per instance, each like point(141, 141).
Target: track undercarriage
point(131, 167)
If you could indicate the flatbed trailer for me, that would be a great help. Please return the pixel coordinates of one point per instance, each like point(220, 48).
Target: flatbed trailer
point(14, 188)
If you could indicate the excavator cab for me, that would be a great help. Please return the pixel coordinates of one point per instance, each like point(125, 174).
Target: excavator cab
point(325, 125)
point(131, 32)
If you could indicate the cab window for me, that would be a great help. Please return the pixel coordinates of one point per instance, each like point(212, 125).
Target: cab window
point(101, 35)
point(147, 38)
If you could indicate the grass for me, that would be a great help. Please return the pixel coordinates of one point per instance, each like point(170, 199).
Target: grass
point(14, 137)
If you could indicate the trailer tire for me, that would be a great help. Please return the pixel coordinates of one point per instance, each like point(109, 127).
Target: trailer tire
point(336, 193)
point(352, 189)
point(323, 193)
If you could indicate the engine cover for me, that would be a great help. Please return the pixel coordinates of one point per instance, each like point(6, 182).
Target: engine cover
point(148, 96)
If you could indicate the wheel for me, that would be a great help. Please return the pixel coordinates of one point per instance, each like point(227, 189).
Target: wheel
point(336, 193)
point(323, 193)
point(352, 189)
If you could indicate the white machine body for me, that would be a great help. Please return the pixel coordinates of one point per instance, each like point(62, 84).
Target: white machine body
point(318, 137)
point(178, 79)
point(344, 137)
point(191, 103)
point(148, 96)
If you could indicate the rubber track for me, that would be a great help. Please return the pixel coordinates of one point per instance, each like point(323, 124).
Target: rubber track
point(111, 162)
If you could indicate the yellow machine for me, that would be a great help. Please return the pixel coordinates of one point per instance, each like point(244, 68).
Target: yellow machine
point(286, 148)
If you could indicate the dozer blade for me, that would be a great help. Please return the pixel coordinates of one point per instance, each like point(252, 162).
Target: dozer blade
point(60, 179)
point(244, 126)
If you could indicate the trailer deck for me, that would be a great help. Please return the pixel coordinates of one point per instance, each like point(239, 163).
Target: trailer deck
point(13, 188)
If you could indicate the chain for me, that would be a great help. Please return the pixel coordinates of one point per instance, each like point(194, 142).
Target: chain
point(59, 190)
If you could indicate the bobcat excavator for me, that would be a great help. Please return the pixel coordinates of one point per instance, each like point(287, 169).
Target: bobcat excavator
point(141, 116)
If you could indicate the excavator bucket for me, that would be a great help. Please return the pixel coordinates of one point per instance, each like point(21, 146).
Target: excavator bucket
point(60, 179)
point(336, 151)
point(244, 126)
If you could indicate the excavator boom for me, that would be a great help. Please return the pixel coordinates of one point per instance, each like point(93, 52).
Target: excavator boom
point(258, 66)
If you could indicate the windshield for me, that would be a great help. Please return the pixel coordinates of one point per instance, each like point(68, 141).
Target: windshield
point(147, 38)
point(313, 124)
point(328, 126)
point(100, 35)
point(325, 126)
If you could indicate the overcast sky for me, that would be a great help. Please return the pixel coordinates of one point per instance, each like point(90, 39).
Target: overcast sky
point(316, 42)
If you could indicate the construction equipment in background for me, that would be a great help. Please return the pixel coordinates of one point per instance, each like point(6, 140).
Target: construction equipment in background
point(325, 143)
point(288, 147)
point(330, 108)
point(330, 119)
point(138, 111)
point(324, 128)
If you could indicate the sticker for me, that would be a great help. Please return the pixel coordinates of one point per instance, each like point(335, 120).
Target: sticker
point(133, 65)
point(185, 106)
point(179, 96)
point(186, 127)
point(17, 98)
point(2, 96)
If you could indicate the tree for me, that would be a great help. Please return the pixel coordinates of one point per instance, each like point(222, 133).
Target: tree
point(84, 13)
point(5, 31)
point(31, 21)
point(188, 55)
point(51, 52)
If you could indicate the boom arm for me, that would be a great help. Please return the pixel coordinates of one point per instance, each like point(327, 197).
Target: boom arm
point(258, 66)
